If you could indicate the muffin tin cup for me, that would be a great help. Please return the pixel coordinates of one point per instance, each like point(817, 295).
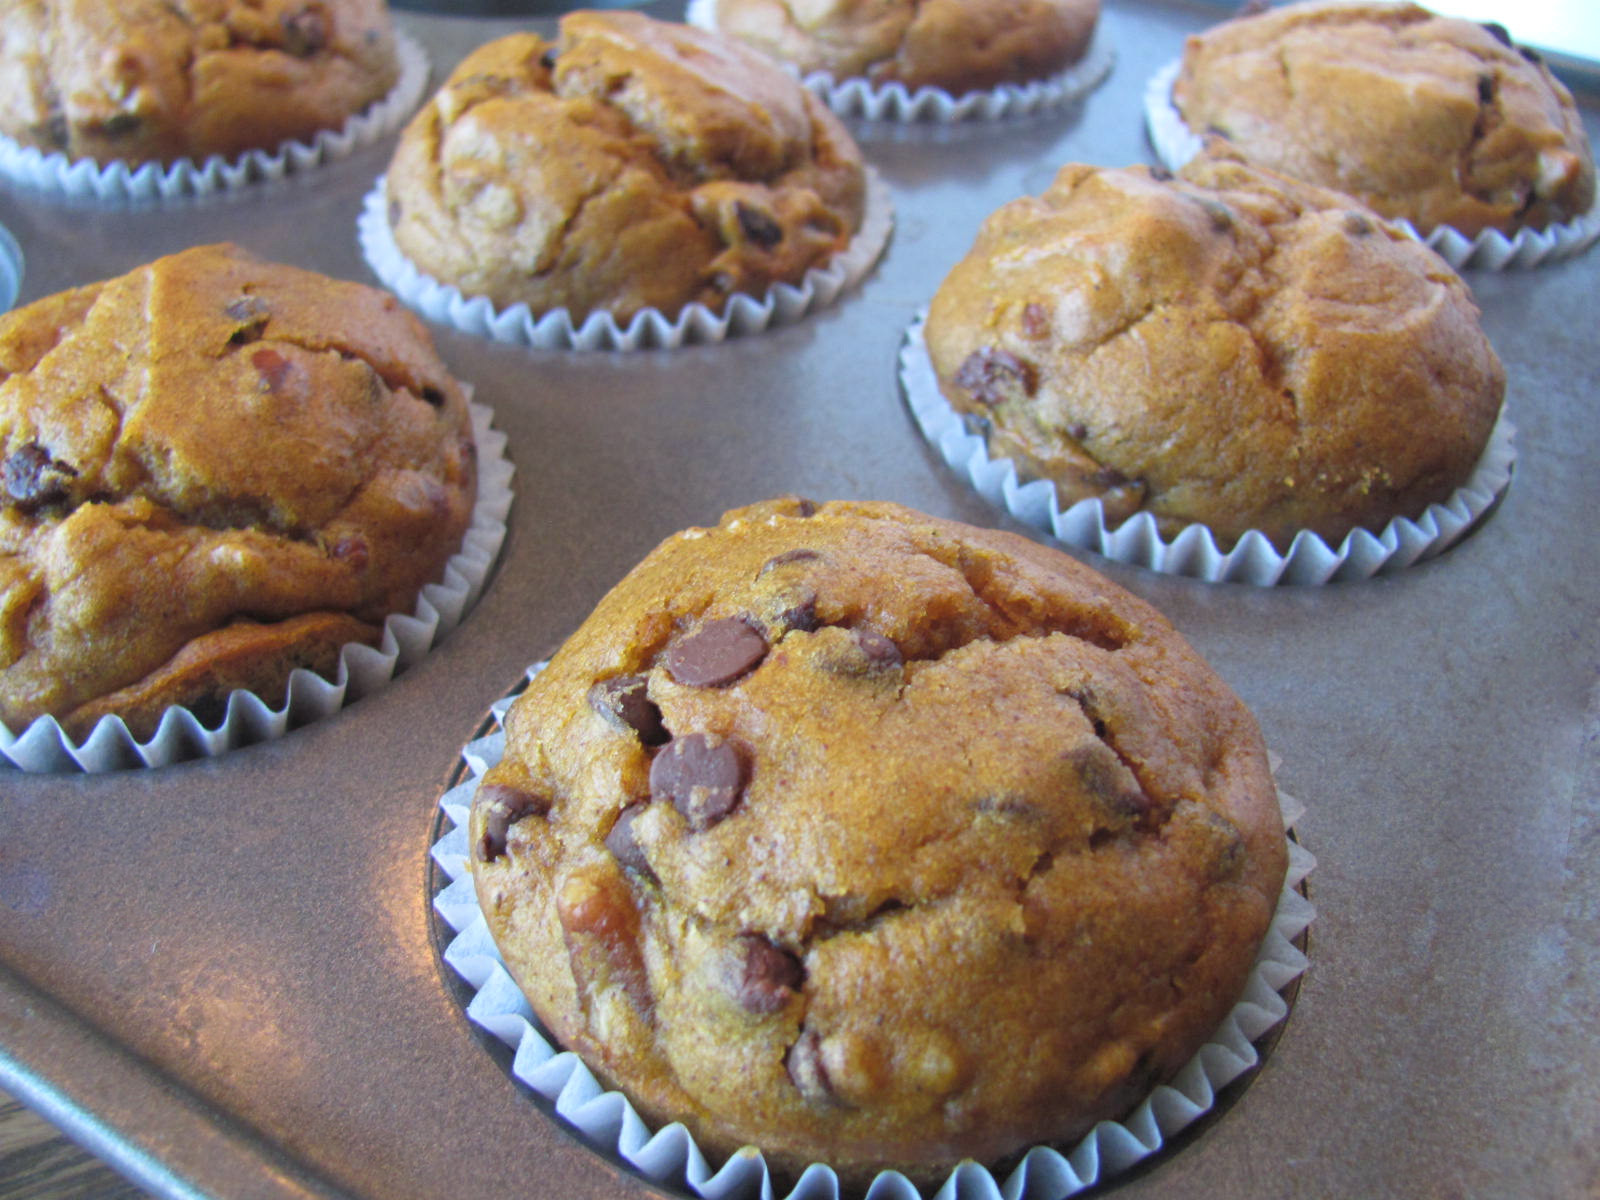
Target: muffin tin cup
point(1175, 144)
point(1194, 552)
point(129, 183)
point(648, 329)
point(45, 746)
point(863, 100)
point(670, 1156)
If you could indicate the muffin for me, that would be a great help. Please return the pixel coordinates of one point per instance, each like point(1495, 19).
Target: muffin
point(156, 80)
point(1440, 121)
point(959, 46)
point(632, 164)
point(1227, 347)
point(876, 839)
point(213, 470)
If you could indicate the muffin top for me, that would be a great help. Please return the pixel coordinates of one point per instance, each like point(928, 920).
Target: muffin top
point(210, 465)
point(876, 839)
point(1433, 119)
point(158, 80)
point(631, 164)
point(958, 45)
point(1226, 347)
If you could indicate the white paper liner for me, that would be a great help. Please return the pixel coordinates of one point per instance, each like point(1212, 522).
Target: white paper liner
point(120, 182)
point(862, 99)
point(1175, 144)
point(649, 329)
point(362, 669)
point(671, 1158)
point(1193, 552)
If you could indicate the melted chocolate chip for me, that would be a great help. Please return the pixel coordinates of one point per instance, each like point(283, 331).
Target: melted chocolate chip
point(716, 654)
point(993, 375)
point(1498, 32)
point(624, 846)
point(32, 479)
point(273, 367)
point(767, 976)
point(702, 777)
point(757, 225)
point(503, 806)
point(624, 701)
point(304, 33)
point(806, 1072)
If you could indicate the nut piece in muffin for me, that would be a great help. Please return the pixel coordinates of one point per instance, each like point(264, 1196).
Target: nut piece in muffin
point(958, 45)
point(1437, 120)
point(159, 80)
point(631, 164)
point(1227, 347)
point(214, 469)
point(879, 840)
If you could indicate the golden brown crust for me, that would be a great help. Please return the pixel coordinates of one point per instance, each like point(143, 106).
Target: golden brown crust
point(877, 839)
point(207, 440)
point(632, 164)
point(158, 80)
point(1228, 347)
point(958, 45)
point(1437, 120)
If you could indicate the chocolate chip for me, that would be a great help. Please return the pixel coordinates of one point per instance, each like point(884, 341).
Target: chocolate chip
point(624, 701)
point(703, 777)
point(432, 396)
point(1485, 88)
point(304, 33)
point(1532, 55)
point(1357, 225)
point(787, 557)
point(120, 124)
point(801, 616)
point(1160, 174)
point(1498, 32)
point(1035, 321)
point(503, 806)
point(881, 652)
point(757, 225)
point(622, 843)
point(33, 479)
point(273, 367)
point(1077, 431)
point(767, 976)
point(806, 1072)
point(993, 376)
point(547, 60)
point(805, 508)
point(716, 654)
point(352, 551)
point(251, 313)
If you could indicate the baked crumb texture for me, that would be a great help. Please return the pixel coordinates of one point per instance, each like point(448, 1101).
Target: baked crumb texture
point(1437, 120)
point(630, 164)
point(213, 469)
point(1226, 347)
point(878, 840)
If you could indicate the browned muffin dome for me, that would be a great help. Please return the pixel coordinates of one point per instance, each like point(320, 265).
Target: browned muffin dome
point(214, 469)
point(958, 45)
point(159, 80)
point(631, 164)
point(877, 839)
point(1434, 119)
point(1228, 347)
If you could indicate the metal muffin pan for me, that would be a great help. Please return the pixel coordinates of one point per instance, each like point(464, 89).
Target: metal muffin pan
point(223, 976)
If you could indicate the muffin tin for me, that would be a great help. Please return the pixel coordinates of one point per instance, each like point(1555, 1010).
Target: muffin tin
point(224, 976)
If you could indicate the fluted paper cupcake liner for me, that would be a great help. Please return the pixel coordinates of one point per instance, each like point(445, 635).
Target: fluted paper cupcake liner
point(362, 669)
point(123, 183)
point(1194, 552)
point(1175, 144)
point(783, 303)
point(670, 1156)
point(864, 100)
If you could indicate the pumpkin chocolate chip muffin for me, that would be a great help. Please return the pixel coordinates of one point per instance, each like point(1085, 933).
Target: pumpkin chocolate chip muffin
point(1437, 120)
point(876, 839)
point(630, 164)
point(1228, 347)
point(158, 80)
point(960, 46)
point(213, 470)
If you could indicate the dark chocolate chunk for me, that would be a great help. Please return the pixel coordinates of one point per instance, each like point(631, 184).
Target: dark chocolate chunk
point(33, 479)
point(1498, 32)
point(624, 701)
point(758, 226)
point(993, 376)
point(702, 777)
point(716, 654)
point(806, 1072)
point(622, 843)
point(767, 976)
point(273, 367)
point(503, 806)
point(304, 32)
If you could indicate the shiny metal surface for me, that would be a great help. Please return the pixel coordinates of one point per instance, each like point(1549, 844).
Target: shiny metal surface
point(222, 976)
